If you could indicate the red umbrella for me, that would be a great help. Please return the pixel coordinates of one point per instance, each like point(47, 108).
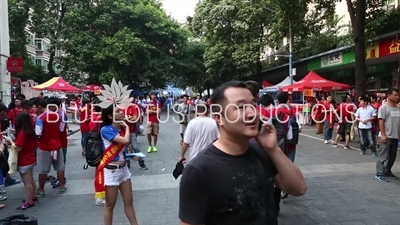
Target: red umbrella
point(315, 82)
point(92, 87)
point(57, 84)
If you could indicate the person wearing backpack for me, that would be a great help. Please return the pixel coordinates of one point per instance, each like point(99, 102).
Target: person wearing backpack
point(289, 134)
point(112, 172)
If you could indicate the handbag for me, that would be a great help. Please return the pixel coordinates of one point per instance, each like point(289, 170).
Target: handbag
point(13, 160)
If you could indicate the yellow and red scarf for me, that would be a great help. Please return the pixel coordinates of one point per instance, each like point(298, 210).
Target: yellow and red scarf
point(109, 154)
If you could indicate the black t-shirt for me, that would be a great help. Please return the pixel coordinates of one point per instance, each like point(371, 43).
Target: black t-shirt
point(221, 189)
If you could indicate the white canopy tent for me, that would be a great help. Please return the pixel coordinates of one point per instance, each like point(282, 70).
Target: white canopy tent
point(276, 87)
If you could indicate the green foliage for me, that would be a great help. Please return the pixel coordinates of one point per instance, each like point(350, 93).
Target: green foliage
point(233, 31)
point(191, 67)
point(384, 23)
point(131, 40)
point(18, 20)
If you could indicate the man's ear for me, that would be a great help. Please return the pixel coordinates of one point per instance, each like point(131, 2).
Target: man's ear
point(217, 117)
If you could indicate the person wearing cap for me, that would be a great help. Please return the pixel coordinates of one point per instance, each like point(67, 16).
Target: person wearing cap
point(153, 110)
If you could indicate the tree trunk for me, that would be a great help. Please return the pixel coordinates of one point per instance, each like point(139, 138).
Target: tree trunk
point(259, 72)
point(50, 65)
point(359, 31)
point(357, 17)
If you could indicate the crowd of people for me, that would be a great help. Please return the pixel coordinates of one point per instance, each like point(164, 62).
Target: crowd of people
point(256, 151)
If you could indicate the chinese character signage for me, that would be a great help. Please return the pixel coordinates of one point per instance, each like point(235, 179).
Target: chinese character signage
point(372, 50)
point(389, 47)
point(15, 65)
point(332, 59)
point(308, 92)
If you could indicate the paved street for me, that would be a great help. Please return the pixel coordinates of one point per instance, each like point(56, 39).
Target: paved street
point(341, 189)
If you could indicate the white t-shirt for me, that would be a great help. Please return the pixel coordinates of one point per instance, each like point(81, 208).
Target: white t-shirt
point(364, 114)
point(200, 132)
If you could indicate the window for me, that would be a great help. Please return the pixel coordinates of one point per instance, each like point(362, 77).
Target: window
point(38, 44)
point(38, 62)
point(30, 38)
point(32, 58)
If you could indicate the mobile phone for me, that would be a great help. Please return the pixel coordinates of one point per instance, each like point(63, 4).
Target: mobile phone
point(260, 127)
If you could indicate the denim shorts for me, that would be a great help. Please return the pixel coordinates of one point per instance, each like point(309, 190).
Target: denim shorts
point(85, 136)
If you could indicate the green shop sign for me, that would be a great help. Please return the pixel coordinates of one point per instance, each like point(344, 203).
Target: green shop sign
point(380, 68)
point(331, 60)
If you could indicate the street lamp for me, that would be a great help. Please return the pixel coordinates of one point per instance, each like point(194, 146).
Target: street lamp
point(290, 56)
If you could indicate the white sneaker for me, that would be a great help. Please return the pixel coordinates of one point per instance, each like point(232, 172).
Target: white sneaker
point(100, 201)
point(325, 142)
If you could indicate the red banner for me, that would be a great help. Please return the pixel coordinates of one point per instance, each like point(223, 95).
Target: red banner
point(15, 65)
point(389, 47)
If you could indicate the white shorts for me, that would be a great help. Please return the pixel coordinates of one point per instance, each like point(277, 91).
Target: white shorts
point(117, 176)
point(25, 169)
point(182, 128)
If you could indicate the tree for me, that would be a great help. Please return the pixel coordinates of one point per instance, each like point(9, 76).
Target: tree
point(234, 35)
point(131, 40)
point(48, 22)
point(18, 21)
point(384, 23)
point(191, 68)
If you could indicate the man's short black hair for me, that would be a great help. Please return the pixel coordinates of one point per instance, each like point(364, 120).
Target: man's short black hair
point(183, 96)
point(344, 98)
point(253, 86)
point(41, 102)
point(3, 107)
point(391, 90)
point(374, 97)
point(25, 103)
point(319, 98)
point(21, 96)
point(54, 101)
point(218, 95)
point(282, 97)
point(266, 100)
point(365, 99)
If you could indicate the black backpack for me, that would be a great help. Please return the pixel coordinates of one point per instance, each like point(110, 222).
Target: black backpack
point(295, 130)
point(94, 150)
point(280, 131)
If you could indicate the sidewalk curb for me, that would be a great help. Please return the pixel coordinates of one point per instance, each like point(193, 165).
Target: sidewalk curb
point(73, 132)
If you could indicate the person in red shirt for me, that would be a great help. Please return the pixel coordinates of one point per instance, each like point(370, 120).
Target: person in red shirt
point(153, 110)
point(13, 113)
point(132, 118)
point(84, 120)
point(345, 112)
point(25, 145)
point(49, 150)
point(318, 116)
point(328, 108)
point(265, 105)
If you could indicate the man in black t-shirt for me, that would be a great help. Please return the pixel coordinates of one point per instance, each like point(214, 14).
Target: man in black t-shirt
point(231, 181)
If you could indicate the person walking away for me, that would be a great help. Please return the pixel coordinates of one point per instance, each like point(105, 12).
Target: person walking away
point(64, 142)
point(47, 129)
point(132, 114)
point(84, 120)
point(221, 185)
point(112, 170)
point(318, 116)
point(328, 108)
point(375, 124)
point(201, 132)
point(185, 112)
point(153, 110)
point(365, 116)
point(389, 126)
point(345, 112)
point(25, 144)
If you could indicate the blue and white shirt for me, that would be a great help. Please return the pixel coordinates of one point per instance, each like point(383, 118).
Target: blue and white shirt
point(108, 133)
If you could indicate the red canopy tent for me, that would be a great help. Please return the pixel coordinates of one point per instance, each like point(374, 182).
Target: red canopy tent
point(265, 84)
point(92, 87)
point(57, 84)
point(315, 82)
